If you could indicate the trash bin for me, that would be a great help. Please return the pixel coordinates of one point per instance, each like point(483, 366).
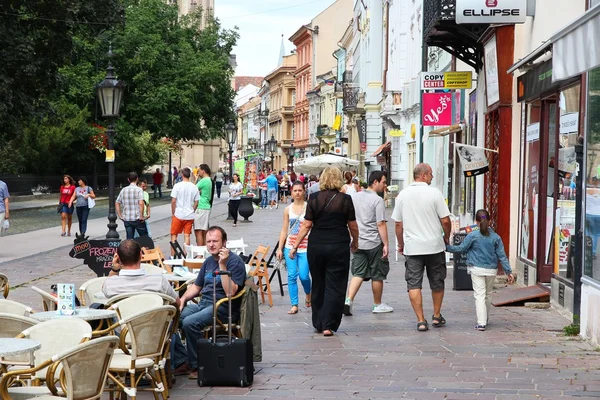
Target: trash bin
point(462, 280)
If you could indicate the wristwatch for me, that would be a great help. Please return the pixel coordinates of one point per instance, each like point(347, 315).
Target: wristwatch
point(115, 270)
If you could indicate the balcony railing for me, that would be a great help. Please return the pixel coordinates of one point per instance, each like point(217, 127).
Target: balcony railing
point(351, 97)
point(437, 10)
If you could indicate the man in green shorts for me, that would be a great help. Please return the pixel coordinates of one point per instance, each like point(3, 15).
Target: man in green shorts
point(370, 261)
point(206, 187)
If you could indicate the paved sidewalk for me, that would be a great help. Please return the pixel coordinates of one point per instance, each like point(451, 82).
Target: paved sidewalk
point(523, 354)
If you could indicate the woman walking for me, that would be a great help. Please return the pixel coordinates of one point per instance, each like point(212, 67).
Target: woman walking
point(219, 182)
point(235, 193)
point(331, 221)
point(293, 216)
point(65, 206)
point(350, 187)
point(484, 250)
point(80, 197)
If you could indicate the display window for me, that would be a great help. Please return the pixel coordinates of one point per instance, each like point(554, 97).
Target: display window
point(591, 267)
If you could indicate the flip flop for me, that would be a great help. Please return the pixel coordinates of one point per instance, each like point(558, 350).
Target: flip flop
point(293, 310)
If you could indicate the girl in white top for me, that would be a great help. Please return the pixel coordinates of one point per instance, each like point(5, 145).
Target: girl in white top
point(293, 216)
point(349, 187)
point(235, 196)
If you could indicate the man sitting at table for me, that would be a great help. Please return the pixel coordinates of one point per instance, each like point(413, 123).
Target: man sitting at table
point(127, 276)
point(197, 316)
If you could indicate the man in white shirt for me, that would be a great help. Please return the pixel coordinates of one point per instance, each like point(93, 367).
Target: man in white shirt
point(422, 230)
point(184, 202)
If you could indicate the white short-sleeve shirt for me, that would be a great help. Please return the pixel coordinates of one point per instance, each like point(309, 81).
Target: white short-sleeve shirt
point(186, 194)
point(420, 207)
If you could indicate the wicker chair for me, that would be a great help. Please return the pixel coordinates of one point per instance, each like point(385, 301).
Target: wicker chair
point(4, 286)
point(166, 299)
point(12, 307)
point(152, 269)
point(49, 302)
point(11, 325)
point(81, 371)
point(86, 292)
point(149, 332)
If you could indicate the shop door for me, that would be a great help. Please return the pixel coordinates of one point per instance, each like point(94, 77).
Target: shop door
point(547, 195)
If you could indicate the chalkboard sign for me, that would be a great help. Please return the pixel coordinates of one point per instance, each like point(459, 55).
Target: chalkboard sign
point(98, 254)
point(462, 280)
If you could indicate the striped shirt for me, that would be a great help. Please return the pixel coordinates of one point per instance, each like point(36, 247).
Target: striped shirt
point(293, 230)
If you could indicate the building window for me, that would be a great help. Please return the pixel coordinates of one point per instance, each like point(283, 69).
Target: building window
point(591, 264)
point(412, 160)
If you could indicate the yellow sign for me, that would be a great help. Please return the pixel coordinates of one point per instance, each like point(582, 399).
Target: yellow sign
point(110, 156)
point(396, 133)
point(413, 131)
point(458, 80)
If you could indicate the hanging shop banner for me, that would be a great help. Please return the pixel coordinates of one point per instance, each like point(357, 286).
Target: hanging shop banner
point(361, 127)
point(491, 11)
point(567, 162)
point(446, 80)
point(437, 109)
point(472, 159)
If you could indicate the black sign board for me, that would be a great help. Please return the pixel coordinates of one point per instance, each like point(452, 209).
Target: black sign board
point(361, 127)
point(462, 280)
point(98, 254)
point(538, 81)
point(561, 294)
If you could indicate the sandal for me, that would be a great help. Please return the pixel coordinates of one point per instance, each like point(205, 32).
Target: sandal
point(327, 333)
point(293, 310)
point(438, 322)
point(422, 326)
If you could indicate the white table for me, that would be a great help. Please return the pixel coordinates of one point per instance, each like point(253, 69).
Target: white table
point(85, 314)
point(178, 278)
point(14, 346)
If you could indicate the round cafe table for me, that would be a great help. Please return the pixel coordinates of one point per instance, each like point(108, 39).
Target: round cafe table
point(85, 314)
point(15, 346)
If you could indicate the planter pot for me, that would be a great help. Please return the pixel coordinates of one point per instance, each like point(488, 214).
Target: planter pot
point(246, 209)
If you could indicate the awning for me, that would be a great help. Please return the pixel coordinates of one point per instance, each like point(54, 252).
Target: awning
point(575, 48)
point(382, 148)
point(531, 57)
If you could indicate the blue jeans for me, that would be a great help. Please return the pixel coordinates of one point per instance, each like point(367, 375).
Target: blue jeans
point(132, 226)
point(195, 317)
point(136, 234)
point(178, 352)
point(295, 267)
point(263, 199)
point(157, 188)
point(82, 216)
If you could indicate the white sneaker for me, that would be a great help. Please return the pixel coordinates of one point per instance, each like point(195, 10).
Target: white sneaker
point(382, 308)
point(347, 308)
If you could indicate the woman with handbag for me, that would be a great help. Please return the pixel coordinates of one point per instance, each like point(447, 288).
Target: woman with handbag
point(65, 206)
point(332, 223)
point(84, 200)
point(293, 216)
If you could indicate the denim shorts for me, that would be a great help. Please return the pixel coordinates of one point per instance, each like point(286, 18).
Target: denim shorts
point(66, 209)
point(272, 194)
point(435, 264)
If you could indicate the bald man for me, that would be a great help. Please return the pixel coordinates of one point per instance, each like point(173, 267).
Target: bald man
point(421, 215)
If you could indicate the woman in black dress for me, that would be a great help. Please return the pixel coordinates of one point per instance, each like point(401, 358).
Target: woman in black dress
point(331, 221)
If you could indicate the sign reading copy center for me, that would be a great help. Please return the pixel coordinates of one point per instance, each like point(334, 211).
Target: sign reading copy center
point(491, 11)
point(446, 80)
point(437, 109)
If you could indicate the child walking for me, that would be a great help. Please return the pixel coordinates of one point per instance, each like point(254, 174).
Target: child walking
point(484, 250)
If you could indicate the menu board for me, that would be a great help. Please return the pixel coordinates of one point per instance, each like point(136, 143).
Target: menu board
point(66, 298)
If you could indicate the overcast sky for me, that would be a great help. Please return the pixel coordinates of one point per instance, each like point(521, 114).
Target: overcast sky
point(261, 23)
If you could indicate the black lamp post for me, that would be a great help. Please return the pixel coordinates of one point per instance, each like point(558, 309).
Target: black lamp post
point(231, 131)
point(272, 148)
point(110, 92)
point(291, 153)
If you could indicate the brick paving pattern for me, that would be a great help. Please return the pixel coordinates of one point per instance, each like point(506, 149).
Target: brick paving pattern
point(523, 354)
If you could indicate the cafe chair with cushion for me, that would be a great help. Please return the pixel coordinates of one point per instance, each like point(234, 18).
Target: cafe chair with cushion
point(88, 289)
point(55, 336)
point(149, 332)
point(49, 302)
point(4, 286)
point(80, 371)
point(260, 270)
point(12, 307)
point(152, 269)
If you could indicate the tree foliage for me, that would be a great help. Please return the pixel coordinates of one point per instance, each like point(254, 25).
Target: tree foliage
point(54, 53)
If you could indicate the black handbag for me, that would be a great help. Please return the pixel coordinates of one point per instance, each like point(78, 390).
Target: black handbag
point(59, 208)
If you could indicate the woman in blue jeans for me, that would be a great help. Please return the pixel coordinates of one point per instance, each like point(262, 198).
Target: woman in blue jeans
point(80, 197)
point(293, 216)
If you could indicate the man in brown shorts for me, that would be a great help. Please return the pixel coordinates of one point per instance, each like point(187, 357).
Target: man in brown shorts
point(422, 230)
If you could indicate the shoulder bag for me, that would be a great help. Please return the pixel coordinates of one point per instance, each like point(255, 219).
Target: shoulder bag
point(91, 202)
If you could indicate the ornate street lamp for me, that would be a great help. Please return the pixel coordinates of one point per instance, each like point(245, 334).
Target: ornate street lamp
point(110, 92)
point(231, 131)
point(291, 153)
point(272, 148)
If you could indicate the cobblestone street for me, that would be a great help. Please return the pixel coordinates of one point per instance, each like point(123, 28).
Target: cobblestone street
point(523, 355)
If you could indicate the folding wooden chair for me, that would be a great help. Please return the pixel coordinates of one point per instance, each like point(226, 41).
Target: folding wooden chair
point(156, 257)
point(259, 269)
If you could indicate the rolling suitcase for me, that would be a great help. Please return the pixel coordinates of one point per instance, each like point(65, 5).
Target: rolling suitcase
point(223, 361)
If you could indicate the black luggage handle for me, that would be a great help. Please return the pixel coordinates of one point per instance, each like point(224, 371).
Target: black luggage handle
point(216, 273)
point(219, 272)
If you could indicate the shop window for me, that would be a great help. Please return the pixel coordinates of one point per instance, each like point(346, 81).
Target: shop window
point(591, 267)
point(530, 179)
point(412, 159)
